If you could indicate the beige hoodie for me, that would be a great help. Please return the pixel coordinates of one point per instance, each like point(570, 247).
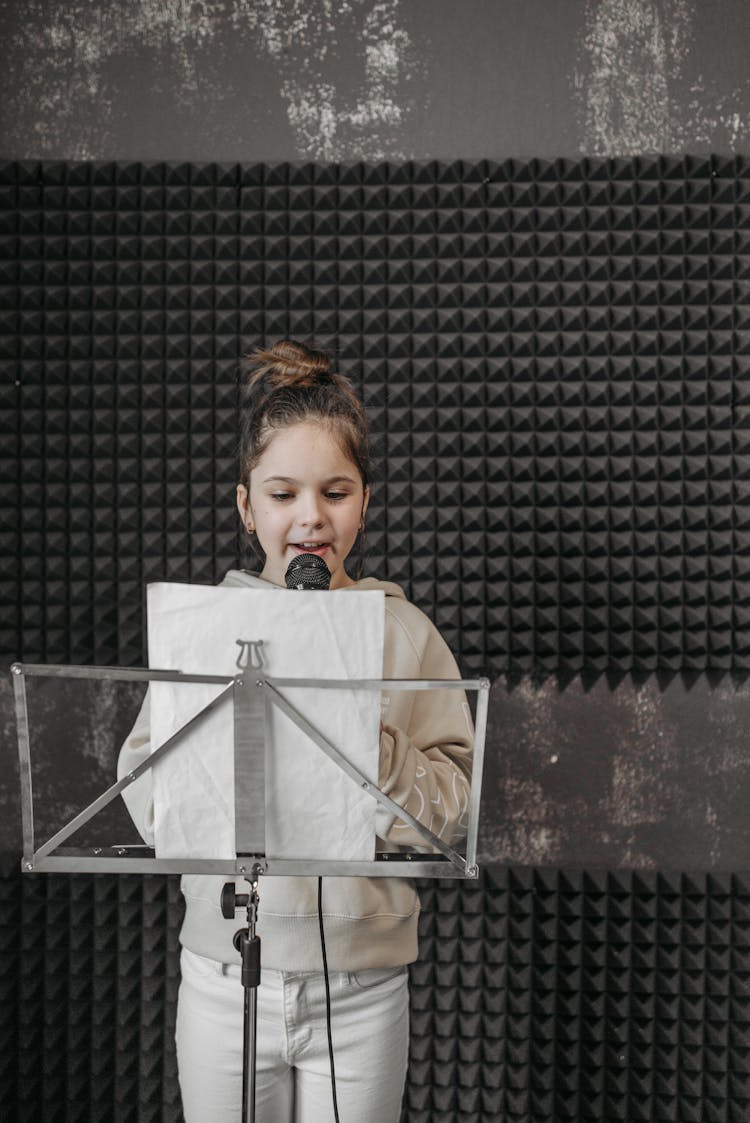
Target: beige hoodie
point(425, 766)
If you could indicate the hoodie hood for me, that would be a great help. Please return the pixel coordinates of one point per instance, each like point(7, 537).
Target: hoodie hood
point(242, 578)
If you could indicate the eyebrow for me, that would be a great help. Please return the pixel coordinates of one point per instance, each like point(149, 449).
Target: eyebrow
point(326, 483)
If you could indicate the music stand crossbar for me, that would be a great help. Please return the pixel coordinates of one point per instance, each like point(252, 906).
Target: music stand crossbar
point(52, 855)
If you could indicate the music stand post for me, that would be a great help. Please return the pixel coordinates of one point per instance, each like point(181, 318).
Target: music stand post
point(247, 943)
point(252, 693)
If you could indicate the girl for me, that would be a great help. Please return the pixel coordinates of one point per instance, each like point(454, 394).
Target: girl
point(304, 488)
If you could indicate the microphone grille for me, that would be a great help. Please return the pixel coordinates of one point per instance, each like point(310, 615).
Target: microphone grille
point(307, 571)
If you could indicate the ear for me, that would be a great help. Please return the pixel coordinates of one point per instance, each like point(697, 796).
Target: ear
point(243, 506)
point(365, 501)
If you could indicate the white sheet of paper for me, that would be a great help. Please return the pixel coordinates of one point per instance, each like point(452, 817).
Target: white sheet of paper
point(313, 810)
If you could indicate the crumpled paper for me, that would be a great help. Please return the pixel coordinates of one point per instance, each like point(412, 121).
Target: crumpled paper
point(313, 809)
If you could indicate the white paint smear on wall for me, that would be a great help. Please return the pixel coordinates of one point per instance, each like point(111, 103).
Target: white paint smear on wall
point(630, 51)
point(61, 53)
point(630, 81)
point(330, 119)
point(344, 69)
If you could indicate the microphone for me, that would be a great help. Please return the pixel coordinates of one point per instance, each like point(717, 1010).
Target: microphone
point(307, 571)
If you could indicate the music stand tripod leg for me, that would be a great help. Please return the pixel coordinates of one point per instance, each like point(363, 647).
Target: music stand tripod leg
point(247, 944)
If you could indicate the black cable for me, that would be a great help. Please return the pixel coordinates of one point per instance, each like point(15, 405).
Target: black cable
point(328, 998)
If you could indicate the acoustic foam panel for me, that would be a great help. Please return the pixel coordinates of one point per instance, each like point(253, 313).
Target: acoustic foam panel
point(538, 998)
point(555, 357)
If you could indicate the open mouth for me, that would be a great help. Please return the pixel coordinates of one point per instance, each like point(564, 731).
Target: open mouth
point(318, 548)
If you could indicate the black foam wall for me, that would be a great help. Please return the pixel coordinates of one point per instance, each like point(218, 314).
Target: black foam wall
point(555, 358)
point(539, 998)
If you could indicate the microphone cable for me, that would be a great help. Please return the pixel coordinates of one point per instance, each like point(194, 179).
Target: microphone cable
point(309, 571)
point(328, 999)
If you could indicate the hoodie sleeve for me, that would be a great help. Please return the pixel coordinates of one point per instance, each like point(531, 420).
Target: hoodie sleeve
point(139, 796)
point(427, 768)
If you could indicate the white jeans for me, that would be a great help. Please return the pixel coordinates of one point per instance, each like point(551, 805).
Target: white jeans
point(369, 1027)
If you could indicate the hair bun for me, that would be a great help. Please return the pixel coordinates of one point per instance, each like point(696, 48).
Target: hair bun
point(288, 363)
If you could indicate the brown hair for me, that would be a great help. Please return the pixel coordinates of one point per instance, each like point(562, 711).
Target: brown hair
point(289, 383)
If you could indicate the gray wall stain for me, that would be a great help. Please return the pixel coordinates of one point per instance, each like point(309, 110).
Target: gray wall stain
point(76, 728)
point(10, 801)
point(630, 51)
point(636, 777)
point(642, 788)
point(65, 58)
point(85, 75)
point(640, 85)
point(310, 43)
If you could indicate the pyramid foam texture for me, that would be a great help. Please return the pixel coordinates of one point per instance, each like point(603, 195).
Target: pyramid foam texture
point(539, 997)
point(555, 358)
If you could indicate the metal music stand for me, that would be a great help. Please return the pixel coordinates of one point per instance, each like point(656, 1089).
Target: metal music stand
point(252, 694)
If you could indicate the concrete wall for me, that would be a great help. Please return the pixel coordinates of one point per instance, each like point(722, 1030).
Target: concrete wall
point(357, 79)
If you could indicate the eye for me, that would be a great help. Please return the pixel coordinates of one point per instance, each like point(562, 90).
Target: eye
point(335, 495)
point(281, 496)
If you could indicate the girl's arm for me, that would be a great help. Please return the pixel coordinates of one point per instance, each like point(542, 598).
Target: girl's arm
point(426, 768)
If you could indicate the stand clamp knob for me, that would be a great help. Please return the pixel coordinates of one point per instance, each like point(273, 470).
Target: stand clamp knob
point(231, 901)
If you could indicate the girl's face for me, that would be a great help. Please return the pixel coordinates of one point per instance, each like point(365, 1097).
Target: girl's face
point(306, 497)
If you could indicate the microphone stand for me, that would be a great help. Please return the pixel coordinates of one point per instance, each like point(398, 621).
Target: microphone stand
point(247, 944)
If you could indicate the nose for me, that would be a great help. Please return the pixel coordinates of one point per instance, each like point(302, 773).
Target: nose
point(310, 512)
